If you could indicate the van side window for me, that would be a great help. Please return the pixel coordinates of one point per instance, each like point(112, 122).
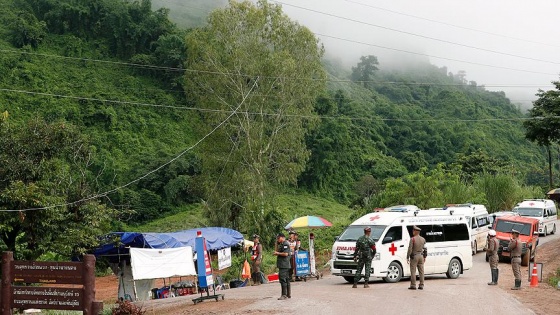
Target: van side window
point(473, 223)
point(395, 233)
point(455, 232)
point(482, 221)
point(433, 233)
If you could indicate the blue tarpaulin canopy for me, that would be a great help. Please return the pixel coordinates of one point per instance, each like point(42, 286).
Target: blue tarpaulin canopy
point(118, 243)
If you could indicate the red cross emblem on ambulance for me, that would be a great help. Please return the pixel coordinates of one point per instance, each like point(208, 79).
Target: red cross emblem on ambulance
point(375, 217)
point(393, 249)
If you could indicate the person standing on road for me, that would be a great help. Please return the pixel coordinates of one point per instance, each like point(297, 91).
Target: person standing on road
point(256, 259)
point(416, 256)
point(294, 247)
point(492, 253)
point(363, 254)
point(283, 254)
point(514, 248)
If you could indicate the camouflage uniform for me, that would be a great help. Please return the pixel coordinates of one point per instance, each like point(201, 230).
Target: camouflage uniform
point(365, 250)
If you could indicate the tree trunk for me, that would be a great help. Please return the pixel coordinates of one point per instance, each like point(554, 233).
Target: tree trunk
point(549, 166)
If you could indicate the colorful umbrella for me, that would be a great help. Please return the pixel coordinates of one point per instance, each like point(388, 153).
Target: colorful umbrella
point(308, 221)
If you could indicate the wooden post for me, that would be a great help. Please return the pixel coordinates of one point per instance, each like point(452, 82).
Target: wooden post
point(97, 308)
point(89, 283)
point(6, 295)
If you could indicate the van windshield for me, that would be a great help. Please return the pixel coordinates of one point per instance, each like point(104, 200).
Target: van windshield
point(529, 212)
point(353, 232)
point(506, 227)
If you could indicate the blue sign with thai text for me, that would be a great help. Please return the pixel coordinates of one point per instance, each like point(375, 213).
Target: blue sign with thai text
point(302, 263)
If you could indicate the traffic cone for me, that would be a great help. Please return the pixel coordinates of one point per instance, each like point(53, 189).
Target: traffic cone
point(534, 277)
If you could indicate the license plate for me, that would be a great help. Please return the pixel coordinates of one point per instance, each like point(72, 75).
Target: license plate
point(347, 271)
point(506, 254)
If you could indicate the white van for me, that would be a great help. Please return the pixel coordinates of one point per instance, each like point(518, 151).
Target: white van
point(542, 209)
point(479, 223)
point(447, 236)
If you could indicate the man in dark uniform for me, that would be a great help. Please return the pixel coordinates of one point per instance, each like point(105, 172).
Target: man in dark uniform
point(514, 247)
point(364, 252)
point(492, 253)
point(283, 254)
point(416, 256)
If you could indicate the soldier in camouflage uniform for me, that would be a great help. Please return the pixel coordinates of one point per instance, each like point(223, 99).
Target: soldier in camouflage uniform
point(364, 252)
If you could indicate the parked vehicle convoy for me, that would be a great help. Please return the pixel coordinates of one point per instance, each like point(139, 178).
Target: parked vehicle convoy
point(542, 209)
point(447, 235)
point(528, 235)
point(478, 221)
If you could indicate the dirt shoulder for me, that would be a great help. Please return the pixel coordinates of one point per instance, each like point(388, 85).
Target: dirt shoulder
point(543, 299)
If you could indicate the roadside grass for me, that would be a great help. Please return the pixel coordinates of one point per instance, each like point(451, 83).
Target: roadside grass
point(554, 280)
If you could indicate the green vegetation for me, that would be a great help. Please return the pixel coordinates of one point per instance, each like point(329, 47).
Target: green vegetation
point(554, 279)
point(111, 74)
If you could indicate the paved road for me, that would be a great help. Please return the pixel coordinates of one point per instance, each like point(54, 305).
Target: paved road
point(469, 294)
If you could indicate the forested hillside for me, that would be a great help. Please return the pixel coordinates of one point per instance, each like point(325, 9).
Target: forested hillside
point(119, 73)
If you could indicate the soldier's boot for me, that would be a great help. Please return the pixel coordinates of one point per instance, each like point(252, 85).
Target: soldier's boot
point(284, 292)
point(354, 286)
point(493, 271)
point(289, 291)
point(366, 283)
point(497, 275)
point(517, 285)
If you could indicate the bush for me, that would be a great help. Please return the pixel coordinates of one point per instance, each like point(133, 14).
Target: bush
point(127, 308)
point(554, 279)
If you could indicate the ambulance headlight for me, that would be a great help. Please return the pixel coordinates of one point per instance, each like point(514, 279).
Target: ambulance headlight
point(377, 256)
point(333, 255)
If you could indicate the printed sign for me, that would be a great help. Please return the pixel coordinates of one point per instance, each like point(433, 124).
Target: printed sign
point(203, 263)
point(47, 272)
point(47, 298)
point(224, 258)
point(302, 263)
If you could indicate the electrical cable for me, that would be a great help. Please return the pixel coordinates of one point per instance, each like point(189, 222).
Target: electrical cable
point(267, 114)
point(452, 25)
point(418, 35)
point(99, 195)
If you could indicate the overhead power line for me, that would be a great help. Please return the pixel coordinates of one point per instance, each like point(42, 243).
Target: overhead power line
point(224, 111)
point(416, 35)
point(452, 25)
point(233, 112)
point(433, 56)
point(153, 67)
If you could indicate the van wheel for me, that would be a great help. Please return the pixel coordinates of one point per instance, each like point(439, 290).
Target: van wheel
point(525, 259)
point(394, 273)
point(348, 279)
point(454, 269)
point(474, 248)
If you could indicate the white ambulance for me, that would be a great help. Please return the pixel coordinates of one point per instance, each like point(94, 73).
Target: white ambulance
point(542, 209)
point(479, 223)
point(448, 243)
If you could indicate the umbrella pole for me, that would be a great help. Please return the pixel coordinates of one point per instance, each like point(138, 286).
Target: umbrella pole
point(312, 253)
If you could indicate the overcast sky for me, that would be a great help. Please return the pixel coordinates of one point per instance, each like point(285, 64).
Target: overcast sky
point(444, 28)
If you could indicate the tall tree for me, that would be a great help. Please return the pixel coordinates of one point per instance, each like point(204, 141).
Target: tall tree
point(365, 70)
point(45, 165)
point(544, 127)
point(254, 61)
